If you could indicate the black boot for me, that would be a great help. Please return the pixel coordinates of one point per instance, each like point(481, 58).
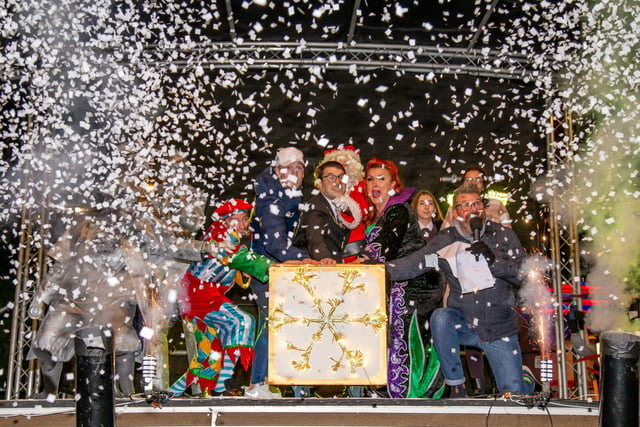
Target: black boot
point(457, 391)
point(480, 387)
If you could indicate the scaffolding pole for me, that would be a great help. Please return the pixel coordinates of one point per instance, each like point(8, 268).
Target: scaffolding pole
point(565, 253)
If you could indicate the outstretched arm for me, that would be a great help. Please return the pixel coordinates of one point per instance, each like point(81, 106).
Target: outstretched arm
point(412, 266)
point(420, 261)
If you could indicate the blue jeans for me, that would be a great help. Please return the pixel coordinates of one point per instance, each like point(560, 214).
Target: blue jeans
point(450, 330)
point(261, 355)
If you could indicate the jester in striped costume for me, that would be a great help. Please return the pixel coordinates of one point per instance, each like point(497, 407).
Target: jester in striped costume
point(224, 333)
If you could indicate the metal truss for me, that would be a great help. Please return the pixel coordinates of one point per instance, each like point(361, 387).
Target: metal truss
point(565, 254)
point(23, 375)
point(341, 56)
point(347, 53)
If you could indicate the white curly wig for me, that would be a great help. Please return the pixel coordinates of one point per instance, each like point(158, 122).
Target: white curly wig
point(350, 159)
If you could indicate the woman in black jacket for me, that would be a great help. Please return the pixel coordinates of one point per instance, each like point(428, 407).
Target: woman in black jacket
point(392, 232)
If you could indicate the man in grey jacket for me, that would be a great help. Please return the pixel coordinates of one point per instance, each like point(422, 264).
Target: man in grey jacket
point(481, 260)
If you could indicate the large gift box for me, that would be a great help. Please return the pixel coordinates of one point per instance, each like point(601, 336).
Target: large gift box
point(327, 325)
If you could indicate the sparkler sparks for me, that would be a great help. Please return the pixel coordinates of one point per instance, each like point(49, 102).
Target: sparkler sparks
point(538, 301)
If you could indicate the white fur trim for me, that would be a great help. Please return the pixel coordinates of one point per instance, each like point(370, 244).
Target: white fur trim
point(354, 209)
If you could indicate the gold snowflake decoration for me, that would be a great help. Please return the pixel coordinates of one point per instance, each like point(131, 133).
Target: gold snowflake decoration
point(326, 320)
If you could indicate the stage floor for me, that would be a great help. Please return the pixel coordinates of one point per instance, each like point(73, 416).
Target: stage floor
point(240, 411)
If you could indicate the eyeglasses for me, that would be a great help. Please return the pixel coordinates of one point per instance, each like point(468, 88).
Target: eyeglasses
point(332, 178)
point(477, 179)
point(466, 206)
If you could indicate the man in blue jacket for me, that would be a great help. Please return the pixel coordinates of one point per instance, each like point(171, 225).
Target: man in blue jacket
point(275, 218)
point(482, 265)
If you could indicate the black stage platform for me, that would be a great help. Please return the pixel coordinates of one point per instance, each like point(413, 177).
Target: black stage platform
point(240, 411)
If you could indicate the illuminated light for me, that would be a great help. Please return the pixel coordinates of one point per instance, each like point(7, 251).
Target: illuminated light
point(489, 194)
point(327, 325)
point(499, 195)
point(546, 370)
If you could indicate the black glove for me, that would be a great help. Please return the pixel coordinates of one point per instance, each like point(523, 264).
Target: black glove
point(480, 248)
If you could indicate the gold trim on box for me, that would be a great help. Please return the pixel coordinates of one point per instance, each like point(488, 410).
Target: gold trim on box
point(327, 325)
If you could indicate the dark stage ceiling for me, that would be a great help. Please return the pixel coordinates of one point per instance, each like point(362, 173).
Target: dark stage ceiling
point(473, 24)
point(433, 85)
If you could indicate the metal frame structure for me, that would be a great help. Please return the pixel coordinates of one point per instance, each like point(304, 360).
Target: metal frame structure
point(339, 56)
point(22, 374)
point(565, 253)
point(235, 53)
